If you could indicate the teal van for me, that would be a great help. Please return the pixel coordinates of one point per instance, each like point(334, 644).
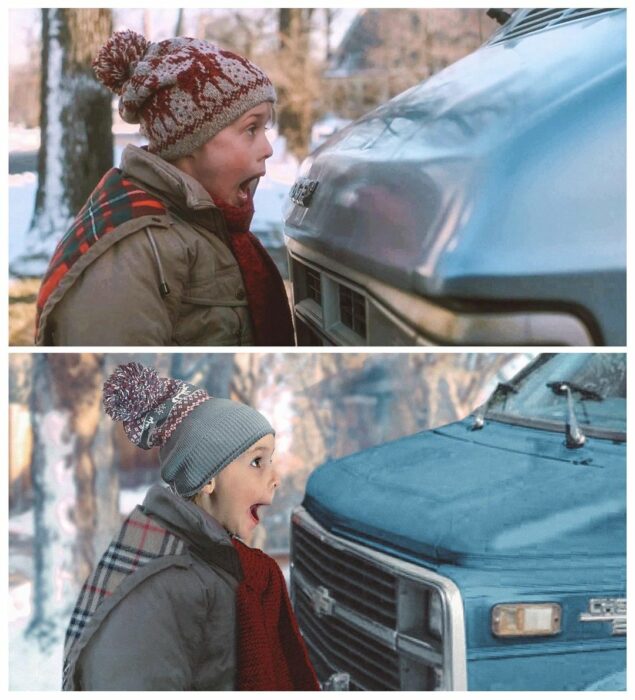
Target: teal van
point(488, 554)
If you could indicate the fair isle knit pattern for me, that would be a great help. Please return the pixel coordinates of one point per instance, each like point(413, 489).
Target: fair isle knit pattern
point(150, 407)
point(140, 541)
point(181, 91)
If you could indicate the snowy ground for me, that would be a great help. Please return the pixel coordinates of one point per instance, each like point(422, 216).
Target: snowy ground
point(270, 196)
point(29, 667)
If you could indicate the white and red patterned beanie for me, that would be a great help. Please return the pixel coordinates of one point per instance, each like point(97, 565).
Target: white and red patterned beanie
point(198, 435)
point(181, 91)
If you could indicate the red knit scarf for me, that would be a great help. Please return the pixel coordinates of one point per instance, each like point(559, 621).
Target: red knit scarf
point(266, 295)
point(271, 651)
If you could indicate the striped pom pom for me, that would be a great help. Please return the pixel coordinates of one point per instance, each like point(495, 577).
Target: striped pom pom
point(118, 57)
point(132, 390)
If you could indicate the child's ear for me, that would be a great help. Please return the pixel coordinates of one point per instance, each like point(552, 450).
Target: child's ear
point(209, 487)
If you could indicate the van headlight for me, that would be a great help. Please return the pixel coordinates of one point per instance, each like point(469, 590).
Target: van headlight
point(526, 619)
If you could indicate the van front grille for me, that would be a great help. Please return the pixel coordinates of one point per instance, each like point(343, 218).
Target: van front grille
point(367, 615)
point(333, 644)
point(368, 591)
point(353, 310)
point(313, 285)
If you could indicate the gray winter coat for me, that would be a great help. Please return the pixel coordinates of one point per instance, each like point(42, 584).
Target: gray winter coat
point(170, 625)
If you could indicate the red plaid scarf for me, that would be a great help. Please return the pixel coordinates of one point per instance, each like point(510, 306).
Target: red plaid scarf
point(114, 201)
point(271, 651)
point(266, 295)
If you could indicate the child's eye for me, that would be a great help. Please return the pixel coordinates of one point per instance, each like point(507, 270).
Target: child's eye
point(252, 130)
point(256, 462)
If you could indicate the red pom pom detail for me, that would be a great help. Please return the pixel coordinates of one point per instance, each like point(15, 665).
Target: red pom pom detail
point(118, 57)
point(132, 390)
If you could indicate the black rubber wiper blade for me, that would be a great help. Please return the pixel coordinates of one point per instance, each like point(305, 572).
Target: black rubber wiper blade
point(559, 388)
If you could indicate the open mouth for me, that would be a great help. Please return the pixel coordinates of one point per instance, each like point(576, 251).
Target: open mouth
point(254, 512)
point(246, 186)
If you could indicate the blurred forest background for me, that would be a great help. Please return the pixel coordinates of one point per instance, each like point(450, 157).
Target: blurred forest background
point(73, 475)
point(329, 67)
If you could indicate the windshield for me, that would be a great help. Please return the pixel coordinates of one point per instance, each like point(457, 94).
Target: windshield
point(598, 388)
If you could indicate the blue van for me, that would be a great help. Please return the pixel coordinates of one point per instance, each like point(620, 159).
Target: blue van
point(488, 554)
point(485, 206)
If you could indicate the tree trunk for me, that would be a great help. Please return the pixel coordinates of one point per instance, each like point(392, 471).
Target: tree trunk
point(76, 143)
point(77, 383)
point(74, 483)
point(180, 23)
point(295, 110)
point(53, 493)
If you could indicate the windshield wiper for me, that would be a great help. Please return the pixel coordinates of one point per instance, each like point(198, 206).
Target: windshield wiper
point(574, 436)
point(503, 389)
point(498, 15)
point(586, 394)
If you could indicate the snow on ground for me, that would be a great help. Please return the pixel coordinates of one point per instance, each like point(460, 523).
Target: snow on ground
point(23, 139)
point(30, 668)
point(271, 194)
point(22, 189)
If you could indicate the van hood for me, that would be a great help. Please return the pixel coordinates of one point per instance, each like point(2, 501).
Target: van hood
point(494, 179)
point(458, 496)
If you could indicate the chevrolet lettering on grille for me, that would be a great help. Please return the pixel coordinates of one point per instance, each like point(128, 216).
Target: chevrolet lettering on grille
point(321, 601)
point(302, 191)
point(611, 610)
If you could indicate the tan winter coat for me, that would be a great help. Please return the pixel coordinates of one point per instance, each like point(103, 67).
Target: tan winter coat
point(111, 296)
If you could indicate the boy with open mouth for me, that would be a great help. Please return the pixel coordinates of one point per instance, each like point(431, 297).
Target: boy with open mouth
point(178, 601)
point(161, 253)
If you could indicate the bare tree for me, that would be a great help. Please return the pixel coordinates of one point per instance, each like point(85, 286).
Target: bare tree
point(75, 490)
point(247, 32)
point(297, 78)
point(147, 23)
point(75, 125)
point(180, 23)
point(51, 476)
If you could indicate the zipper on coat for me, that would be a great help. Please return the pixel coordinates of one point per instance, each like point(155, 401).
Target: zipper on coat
point(164, 289)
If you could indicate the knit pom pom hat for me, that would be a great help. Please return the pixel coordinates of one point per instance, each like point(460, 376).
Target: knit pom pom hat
point(198, 435)
point(181, 91)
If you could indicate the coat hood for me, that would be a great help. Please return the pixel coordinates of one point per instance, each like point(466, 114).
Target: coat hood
point(191, 523)
point(164, 179)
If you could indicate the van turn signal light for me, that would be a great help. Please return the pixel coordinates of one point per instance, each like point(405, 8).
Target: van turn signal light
point(526, 619)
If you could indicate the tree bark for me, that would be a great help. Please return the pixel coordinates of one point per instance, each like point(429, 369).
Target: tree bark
point(76, 143)
point(75, 485)
point(77, 381)
point(295, 103)
point(180, 23)
point(53, 493)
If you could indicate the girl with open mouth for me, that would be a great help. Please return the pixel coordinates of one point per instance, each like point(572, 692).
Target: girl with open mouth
point(179, 601)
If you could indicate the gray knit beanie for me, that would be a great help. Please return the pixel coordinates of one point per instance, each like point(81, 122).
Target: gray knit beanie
point(198, 435)
point(181, 91)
